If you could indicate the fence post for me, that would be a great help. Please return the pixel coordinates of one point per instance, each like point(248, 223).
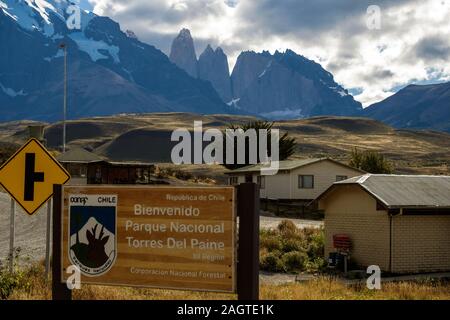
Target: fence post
point(59, 289)
point(248, 255)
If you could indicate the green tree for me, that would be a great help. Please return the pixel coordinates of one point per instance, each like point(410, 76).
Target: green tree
point(287, 144)
point(370, 161)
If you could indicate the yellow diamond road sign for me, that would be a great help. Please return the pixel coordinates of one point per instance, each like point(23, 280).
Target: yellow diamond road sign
point(29, 176)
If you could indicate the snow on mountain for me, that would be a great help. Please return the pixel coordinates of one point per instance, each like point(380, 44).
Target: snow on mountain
point(288, 85)
point(94, 48)
point(284, 114)
point(42, 15)
point(109, 71)
point(32, 14)
point(11, 92)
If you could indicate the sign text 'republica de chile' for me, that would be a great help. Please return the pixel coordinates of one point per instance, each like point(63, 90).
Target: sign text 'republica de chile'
point(162, 237)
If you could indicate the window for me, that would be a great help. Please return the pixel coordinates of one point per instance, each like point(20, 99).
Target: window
point(249, 178)
point(83, 171)
point(341, 178)
point(261, 182)
point(306, 182)
point(233, 181)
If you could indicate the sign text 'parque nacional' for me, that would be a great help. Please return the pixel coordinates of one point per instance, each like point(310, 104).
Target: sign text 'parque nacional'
point(162, 237)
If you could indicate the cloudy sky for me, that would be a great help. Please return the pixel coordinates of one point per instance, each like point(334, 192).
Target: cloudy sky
point(411, 45)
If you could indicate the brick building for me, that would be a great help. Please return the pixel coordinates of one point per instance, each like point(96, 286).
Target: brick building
point(400, 223)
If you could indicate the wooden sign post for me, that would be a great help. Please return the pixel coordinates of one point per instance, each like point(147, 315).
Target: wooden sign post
point(161, 237)
point(59, 288)
point(248, 254)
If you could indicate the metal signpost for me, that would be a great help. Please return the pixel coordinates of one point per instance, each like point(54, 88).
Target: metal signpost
point(28, 176)
point(12, 226)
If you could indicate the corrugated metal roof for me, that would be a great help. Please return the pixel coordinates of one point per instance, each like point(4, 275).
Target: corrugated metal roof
point(285, 165)
point(130, 163)
point(404, 191)
point(79, 155)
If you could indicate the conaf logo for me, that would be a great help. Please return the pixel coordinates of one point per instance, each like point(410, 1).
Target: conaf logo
point(92, 238)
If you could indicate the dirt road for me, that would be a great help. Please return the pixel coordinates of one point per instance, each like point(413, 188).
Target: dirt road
point(30, 231)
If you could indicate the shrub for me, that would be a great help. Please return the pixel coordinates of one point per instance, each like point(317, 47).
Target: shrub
point(293, 244)
point(272, 262)
point(316, 245)
point(370, 161)
point(287, 228)
point(290, 249)
point(294, 260)
point(9, 281)
point(315, 265)
point(271, 243)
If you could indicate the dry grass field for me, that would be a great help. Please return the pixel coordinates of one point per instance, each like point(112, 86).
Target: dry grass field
point(147, 138)
point(32, 285)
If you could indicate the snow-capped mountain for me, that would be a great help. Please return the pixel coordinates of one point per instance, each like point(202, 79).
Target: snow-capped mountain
point(109, 71)
point(279, 86)
point(288, 85)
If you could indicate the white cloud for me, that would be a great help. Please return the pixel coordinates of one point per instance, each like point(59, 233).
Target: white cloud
point(413, 44)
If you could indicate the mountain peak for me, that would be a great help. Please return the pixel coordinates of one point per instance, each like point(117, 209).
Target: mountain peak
point(182, 52)
point(415, 106)
point(303, 88)
point(185, 34)
point(111, 72)
point(213, 67)
point(208, 49)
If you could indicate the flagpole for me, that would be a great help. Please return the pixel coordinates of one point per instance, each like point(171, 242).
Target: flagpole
point(64, 47)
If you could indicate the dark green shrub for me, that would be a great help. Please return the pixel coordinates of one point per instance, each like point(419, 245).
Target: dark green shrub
point(272, 262)
point(287, 228)
point(293, 244)
point(271, 243)
point(315, 265)
point(294, 260)
point(316, 245)
point(9, 281)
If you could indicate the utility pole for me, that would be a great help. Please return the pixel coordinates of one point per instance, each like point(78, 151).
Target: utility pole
point(64, 47)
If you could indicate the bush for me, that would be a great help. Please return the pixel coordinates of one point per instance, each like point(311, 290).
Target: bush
point(315, 265)
point(370, 161)
point(290, 249)
point(293, 244)
point(272, 262)
point(10, 281)
point(316, 245)
point(287, 228)
point(271, 243)
point(294, 260)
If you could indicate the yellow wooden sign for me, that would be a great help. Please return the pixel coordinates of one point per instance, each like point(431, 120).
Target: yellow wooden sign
point(161, 237)
point(29, 176)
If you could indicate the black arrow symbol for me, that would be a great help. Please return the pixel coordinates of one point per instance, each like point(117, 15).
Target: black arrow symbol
point(31, 176)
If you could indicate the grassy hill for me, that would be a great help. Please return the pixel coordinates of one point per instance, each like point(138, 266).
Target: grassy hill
point(147, 138)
